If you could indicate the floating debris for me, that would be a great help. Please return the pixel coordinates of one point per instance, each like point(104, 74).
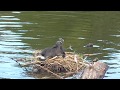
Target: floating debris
point(89, 45)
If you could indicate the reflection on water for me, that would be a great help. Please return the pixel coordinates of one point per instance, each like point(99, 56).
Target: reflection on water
point(11, 46)
point(23, 32)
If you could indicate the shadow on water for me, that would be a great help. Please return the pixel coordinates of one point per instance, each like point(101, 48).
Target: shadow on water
point(23, 32)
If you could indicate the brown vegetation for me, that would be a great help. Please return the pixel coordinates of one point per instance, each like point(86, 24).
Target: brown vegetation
point(64, 67)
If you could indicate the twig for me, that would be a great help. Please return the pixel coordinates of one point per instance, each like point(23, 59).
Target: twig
point(31, 63)
point(75, 59)
point(86, 64)
point(20, 65)
point(89, 54)
point(53, 58)
point(69, 74)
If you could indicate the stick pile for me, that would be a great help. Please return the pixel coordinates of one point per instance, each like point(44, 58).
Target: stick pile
point(60, 67)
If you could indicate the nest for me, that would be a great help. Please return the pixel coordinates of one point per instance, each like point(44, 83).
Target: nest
point(57, 65)
point(61, 67)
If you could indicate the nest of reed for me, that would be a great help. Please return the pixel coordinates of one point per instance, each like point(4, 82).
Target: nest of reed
point(62, 68)
point(67, 66)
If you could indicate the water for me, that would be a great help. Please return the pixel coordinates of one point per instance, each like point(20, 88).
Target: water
point(22, 32)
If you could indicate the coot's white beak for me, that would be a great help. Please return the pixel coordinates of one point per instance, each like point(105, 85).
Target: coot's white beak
point(41, 57)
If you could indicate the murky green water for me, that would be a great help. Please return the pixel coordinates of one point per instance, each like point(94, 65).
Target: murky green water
point(25, 31)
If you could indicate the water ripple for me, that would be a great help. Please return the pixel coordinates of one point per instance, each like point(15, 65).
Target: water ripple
point(15, 23)
point(9, 19)
point(10, 25)
point(16, 12)
point(7, 16)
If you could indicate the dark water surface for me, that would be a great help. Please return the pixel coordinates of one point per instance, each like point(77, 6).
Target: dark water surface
point(22, 32)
